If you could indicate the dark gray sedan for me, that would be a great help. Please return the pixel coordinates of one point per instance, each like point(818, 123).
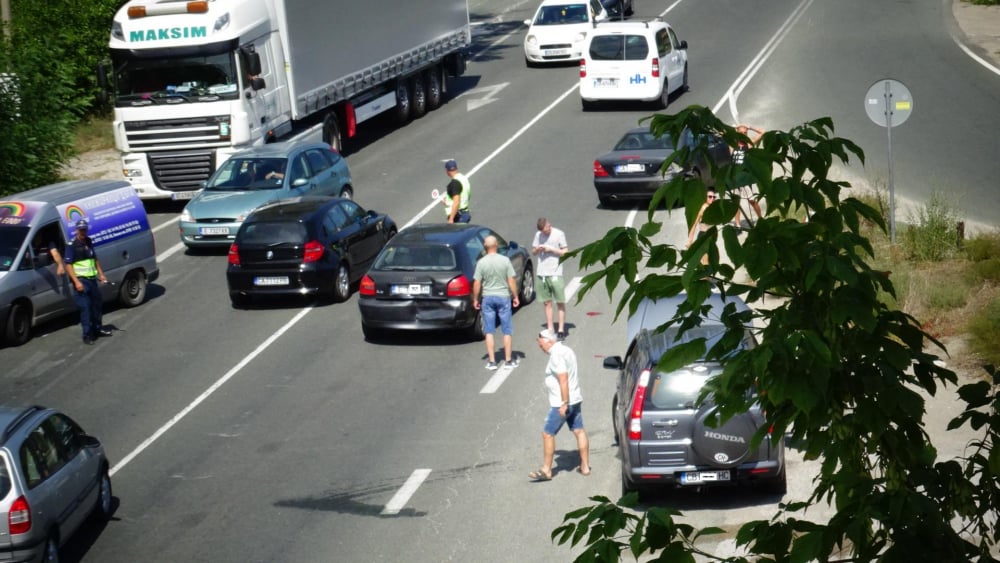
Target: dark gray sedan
point(631, 171)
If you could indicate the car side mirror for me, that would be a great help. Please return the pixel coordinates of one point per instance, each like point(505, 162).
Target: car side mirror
point(42, 259)
point(513, 245)
point(88, 441)
point(613, 362)
point(527, 22)
point(299, 182)
point(684, 45)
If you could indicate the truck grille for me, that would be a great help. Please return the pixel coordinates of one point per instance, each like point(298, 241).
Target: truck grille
point(181, 151)
point(181, 171)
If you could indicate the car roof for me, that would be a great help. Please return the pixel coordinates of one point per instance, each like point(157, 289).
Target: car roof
point(442, 233)
point(618, 26)
point(279, 150)
point(294, 208)
point(653, 313)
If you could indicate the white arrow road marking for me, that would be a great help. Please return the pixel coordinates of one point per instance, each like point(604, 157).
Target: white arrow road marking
point(488, 95)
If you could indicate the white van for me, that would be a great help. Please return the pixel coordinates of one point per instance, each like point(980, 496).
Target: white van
point(632, 60)
point(31, 291)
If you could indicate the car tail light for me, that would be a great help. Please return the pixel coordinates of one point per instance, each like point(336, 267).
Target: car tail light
point(313, 252)
point(583, 68)
point(459, 287)
point(656, 68)
point(352, 120)
point(599, 171)
point(367, 286)
point(234, 255)
point(19, 517)
point(635, 420)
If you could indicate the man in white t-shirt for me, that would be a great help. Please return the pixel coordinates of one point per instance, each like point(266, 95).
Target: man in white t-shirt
point(562, 385)
point(549, 246)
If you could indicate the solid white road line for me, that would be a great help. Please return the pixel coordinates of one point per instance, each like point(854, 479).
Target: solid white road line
point(208, 392)
point(167, 223)
point(976, 57)
point(402, 496)
point(169, 252)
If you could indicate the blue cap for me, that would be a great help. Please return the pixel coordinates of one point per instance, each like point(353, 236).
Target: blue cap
point(451, 165)
point(82, 224)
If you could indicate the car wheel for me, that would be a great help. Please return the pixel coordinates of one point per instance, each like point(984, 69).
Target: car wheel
point(342, 283)
point(18, 328)
point(51, 554)
point(331, 133)
point(527, 286)
point(239, 300)
point(685, 87)
point(723, 446)
point(103, 506)
point(627, 486)
point(435, 94)
point(133, 290)
point(418, 96)
point(664, 99)
point(606, 202)
point(588, 105)
point(402, 101)
point(347, 192)
point(477, 331)
point(614, 419)
point(529, 64)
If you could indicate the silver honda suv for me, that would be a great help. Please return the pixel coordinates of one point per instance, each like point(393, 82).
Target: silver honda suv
point(53, 477)
point(664, 439)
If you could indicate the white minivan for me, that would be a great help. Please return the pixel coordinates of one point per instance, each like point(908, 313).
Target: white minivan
point(632, 60)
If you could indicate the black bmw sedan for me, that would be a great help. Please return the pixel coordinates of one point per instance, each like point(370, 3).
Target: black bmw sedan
point(423, 279)
point(305, 246)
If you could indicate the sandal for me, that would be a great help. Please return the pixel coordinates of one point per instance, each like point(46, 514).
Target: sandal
point(582, 472)
point(540, 476)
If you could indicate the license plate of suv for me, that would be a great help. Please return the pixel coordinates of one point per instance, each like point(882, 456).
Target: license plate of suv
point(270, 280)
point(410, 289)
point(696, 477)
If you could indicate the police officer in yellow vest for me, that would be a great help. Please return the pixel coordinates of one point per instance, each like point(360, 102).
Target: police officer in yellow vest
point(456, 203)
point(85, 271)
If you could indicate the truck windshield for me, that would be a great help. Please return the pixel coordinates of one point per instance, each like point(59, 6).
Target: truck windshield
point(11, 239)
point(175, 79)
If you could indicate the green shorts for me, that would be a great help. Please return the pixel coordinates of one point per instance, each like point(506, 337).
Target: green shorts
point(551, 288)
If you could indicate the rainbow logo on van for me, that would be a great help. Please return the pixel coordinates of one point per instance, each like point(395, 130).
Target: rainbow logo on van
point(74, 213)
point(11, 209)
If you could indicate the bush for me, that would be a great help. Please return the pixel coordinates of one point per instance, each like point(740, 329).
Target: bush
point(983, 247)
point(984, 332)
point(986, 270)
point(932, 233)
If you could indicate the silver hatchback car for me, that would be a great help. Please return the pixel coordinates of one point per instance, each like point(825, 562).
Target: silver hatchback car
point(53, 476)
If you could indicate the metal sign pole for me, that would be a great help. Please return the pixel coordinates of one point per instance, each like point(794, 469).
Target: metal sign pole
point(892, 187)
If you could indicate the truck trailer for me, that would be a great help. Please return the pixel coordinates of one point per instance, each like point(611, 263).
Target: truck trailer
point(195, 81)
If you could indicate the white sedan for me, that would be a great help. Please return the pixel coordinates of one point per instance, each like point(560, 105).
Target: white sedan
point(559, 30)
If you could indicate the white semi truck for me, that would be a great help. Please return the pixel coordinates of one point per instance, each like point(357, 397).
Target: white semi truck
point(195, 81)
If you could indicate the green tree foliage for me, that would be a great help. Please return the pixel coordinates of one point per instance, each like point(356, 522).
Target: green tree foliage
point(837, 370)
point(35, 128)
point(77, 32)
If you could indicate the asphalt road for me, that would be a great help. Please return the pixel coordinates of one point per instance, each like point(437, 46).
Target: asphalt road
point(279, 434)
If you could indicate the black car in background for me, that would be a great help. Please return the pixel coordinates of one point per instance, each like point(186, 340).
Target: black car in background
point(423, 278)
point(631, 170)
point(305, 246)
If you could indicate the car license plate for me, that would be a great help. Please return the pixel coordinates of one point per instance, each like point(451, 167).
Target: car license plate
point(213, 230)
point(411, 289)
point(630, 168)
point(605, 83)
point(696, 477)
point(555, 52)
point(270, 280)
point(177, 196)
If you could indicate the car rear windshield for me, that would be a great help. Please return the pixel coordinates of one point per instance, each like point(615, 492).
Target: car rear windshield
point(11, 239)
point(559, 15)
point(643, 141)
point(679, 389)
point(273, 232)
point(416, 258)
point(619, 48)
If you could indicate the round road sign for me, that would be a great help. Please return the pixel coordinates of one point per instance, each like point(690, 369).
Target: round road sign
point(888, 103)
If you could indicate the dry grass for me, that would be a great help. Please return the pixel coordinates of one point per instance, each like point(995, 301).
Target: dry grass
point(93, 133)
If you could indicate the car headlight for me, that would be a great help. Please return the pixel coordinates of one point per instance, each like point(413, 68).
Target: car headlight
point(132, 172)
point(532, 40)
point(580, 37)
point(186, 216)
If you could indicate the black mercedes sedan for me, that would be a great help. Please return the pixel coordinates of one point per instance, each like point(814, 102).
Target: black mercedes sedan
point(631, 171)
point(305, 246)
point(422, 279)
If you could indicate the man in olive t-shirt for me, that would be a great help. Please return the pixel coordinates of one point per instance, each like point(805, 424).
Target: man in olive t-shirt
point(494, 280)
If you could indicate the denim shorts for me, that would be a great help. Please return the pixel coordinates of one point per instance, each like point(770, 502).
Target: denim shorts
point(494, 306)
point(553, 422)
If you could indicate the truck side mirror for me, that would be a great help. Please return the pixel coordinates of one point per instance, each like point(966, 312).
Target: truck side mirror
point(257, 83)
point(103, 92)
point(253, 62)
